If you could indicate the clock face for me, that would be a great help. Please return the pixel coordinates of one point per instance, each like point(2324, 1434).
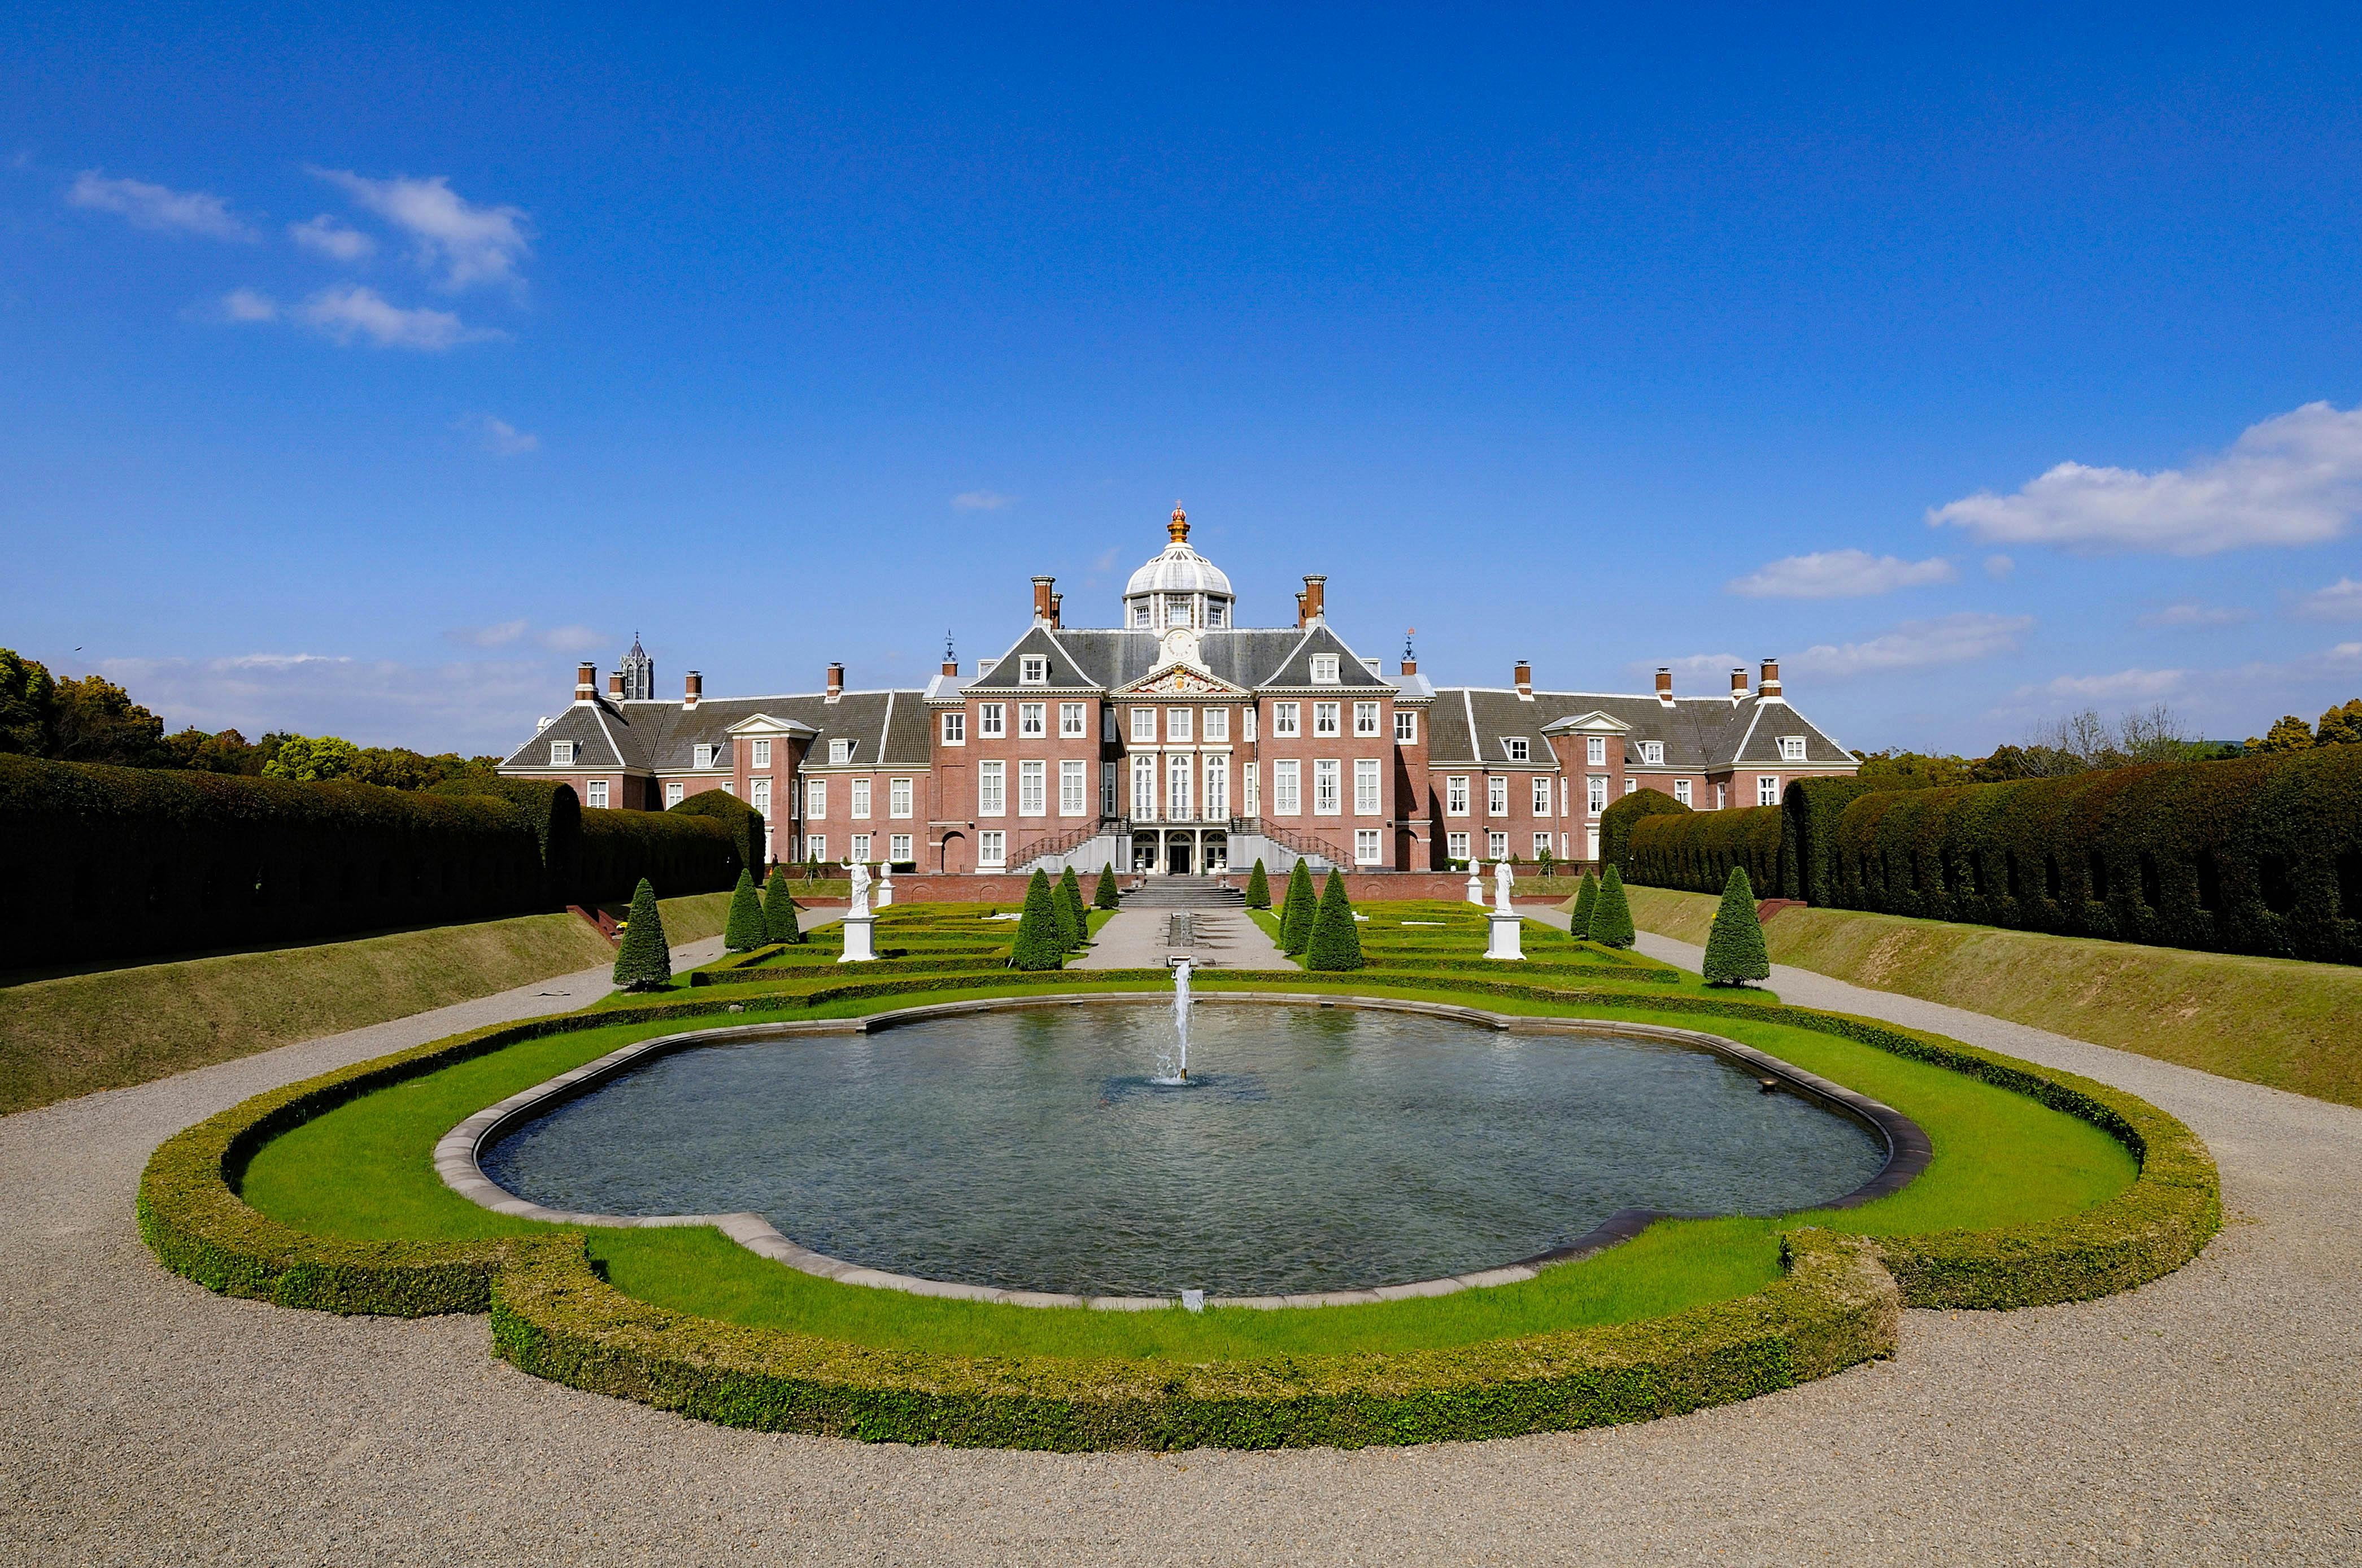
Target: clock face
point(1180, 644)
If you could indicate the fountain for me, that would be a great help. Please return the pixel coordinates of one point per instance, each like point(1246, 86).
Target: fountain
point(1172, 1065)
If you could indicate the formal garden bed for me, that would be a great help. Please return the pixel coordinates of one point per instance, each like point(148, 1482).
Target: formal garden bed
point(2042, 1187)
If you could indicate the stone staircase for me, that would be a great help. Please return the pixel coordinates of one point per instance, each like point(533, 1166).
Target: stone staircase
point(1187, 894)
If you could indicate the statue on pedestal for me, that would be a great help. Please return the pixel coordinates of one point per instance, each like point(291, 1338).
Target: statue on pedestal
point(860, 873)
point(1502, 873)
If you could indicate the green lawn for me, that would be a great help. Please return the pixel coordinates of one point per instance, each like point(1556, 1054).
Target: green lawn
point(364, 1170)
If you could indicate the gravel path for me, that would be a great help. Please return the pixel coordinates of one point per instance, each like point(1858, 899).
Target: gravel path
point(1137, 939)
point(2213, 1416)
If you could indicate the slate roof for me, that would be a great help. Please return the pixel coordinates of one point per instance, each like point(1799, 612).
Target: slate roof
point(1469, 724)
point(1103, 659)
point(888, 729)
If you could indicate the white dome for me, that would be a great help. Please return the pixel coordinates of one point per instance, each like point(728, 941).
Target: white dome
point(1179, 569)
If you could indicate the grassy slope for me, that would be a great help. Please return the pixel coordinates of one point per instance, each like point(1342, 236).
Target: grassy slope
point(2269, 1021)
point(364, 1170)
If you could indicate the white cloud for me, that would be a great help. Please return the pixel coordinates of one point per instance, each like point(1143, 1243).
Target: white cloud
point(473, 707)
point(499, 437)
point(502, 634)
point(158, 207)
point(2293, 480)
point(1839, 574)
point(2190, 616)
point(468, 244)
point(980, 501)
point(1948, 639)
point(333, 239)
point(1999, 567)
point(1104, 561)
point(2341, 601)
point(1713, 668)
point(2124, 686)
point(496, 636)
point(348, 311)
point(248, 305)
point(572, 639)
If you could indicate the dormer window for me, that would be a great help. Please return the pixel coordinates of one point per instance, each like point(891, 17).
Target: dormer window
point(562, 754)
point(1324, 670)
point(1652, 752)
point(1140, 615)
point(840, 751)
point(1218, 615)
point(1595, 750)
point(1792, 748)
point(1033, 670)
point(705, 756)
point(1520, 750)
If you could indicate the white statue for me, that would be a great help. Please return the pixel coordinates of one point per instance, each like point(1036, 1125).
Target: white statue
point(860, 890)
point(1476, 883)
point(1501, 876)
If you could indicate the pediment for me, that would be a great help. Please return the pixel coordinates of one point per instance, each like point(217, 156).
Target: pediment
point(1592, 723)
point(1178, 680)
point(765, 724)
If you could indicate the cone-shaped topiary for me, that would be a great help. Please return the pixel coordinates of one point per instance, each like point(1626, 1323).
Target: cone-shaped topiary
point(1105, 895)
point(1296, 913)
point(1336, 942)
point(646, 962)
point(744, 928)
point(1258, 887)
point(1072, 925)
point(1037, 945)
point(779, 922)
point(1586, 898)
point(1734, 949)
point(1611, 917)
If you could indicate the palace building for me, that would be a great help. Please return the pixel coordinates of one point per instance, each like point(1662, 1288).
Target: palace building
point(1178, 741)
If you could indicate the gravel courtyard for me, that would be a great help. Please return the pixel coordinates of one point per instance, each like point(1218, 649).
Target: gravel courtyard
point(2212, 1417)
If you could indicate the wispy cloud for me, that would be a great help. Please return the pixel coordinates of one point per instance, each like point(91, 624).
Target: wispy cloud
point(246, 305)
point(476, 706)
point(2190, 616)
point(157, 207)
point(1999, 567)
point(1948, 639)
point(450, 234)
point(1713, 668)
point(2341, 601)
point(348, 312)
point(980, 501)
point(2124, 686)
point(2292, 480)
point(334, 240)
point(501, 439)
point(1839, 574)
point(506, 634)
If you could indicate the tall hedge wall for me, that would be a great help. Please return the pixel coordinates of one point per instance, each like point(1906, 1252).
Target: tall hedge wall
point(744, 822)
point(1697, 850)
point(1811, 808)
point(679, 854)
point(556, 812)
point(1617, 822)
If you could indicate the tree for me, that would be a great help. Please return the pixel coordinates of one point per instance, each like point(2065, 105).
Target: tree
point(1734, 949)
point(309, 759)
point(1544, 861)
point(1336, 942)
point(1295, 911)
point(2341, 726)
point(1068, 907)
point(1037, 945)
point(93, 719)
point(27, 697)
point(2291, 733)
point(645, 964)
point(1105, 895)
point(1611, 917)
point(1586, 900)
point(1911, 769)
point(779, 922)
point(746, 929)
point(1258, 887)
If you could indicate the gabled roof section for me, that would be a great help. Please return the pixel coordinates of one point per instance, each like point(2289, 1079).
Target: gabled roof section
point(768, 725)
point(1596, 721)
point(1181, 681)
point(1066, 671)
point(1296, 669)
point(1774, 721)
point(603, 737)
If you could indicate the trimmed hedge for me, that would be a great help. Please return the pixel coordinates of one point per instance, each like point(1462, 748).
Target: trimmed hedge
point(555, 810)
point(1696, 851)
point(744, 822)
point(1810, 809)
point(678, 853)
point(1615, 823)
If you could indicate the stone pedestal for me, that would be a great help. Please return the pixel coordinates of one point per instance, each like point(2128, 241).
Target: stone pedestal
point(1476, 885)
point(885, 899)
point(1503, 940)
point(857, 948)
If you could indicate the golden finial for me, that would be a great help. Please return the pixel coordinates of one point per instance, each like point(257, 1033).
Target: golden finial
point(1179, 527)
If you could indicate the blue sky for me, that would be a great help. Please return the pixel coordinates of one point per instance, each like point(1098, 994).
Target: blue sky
point(360, 369)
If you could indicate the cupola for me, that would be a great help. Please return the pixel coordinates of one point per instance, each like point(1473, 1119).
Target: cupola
point(1178, 588)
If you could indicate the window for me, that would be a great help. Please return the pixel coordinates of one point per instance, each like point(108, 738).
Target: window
point(728, 787)
point(562, 754)
point(1031, 787)
point(991, 778)
point(1178, 768)
point(1143, 726)
point(1217, 613)
point(1406, 728)
point(991, 849)
point(1285, 777)
point(1455, 795)
point(1497, 847)
point(1144, 786)
point(1595, 750)
point(762, 753)
point(1326, 775)
point(1071, 722)
point(1792, 748)
point(1630, 785)
point(599, 793)
point(1284, 720)
point(1140, 611)
point(1365, 846)
point(1520, 749)
point(1033, 670)
point(1767, 788)
point(1365, 787)
point(898, 849)
point(1721, 796)
point(1250, 790)
point(1365, 718)
point(674, 793)
point(860, 850)
point(1324, 718)
point(1324, 670)
point(1179, 724)
point(1247, 723)
point(1682, 790)
point(989, 721)
point(1595, 798)
point(816, 846)
point(1074, 788)
point(1177, 609)
point(840, 751)
point(956, 729)
point(1217, 725)
point(1031, 719)
point(898, 797)
point(1542, 844)
point(1542, 794)
point(1652, 752)
point(703, 756)
point(861, 797)
point(763, 795)
point(1106, 788)
point(1455, 847)
point(1497, 796)
point(1218, 787)
point(816, 798)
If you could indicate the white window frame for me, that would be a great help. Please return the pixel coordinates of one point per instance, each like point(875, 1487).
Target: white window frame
point(1215, 725)
point(858, 849)
point(816, 800)
point(1247, 724)
point(816, 846)
point(1326, 717)
point(1365, 718)
point(1324, 670)
point(1767, 788)
point(1542, 794)
point(1033, 669)
point(1542, 845)
point(1496, 795)
point(1144, 786)
point(1455, 796)
point(898, 850)
point(1106, 788)
point(1287, 720)
point(1792, 748)
point(1366, 787)
point(1595, 794)
point(991, 720)
point(1032, 788)
point(1455, 847)
point(1032, 719)
point(992, 788)
point(1250, 789)
point(1328, 786)
point(1497, 846)
point(702, 755)
point(1406, 727)
point(1074, 788)
point(1180, 723)
point(955, 728)
point(1682, 790)
point(1367, 850)
point(762, 753)
point(1630, 784)
point(840, 752)
point(860, 798)
point(898, 794)
point(1143, 726)
point(991, 849)
point(1653, 753)
point(1218, 786)
point(1073, 721)
point(762, 799)
point(1519, 748)
point(597, 791)
point(1180, 785)
point(1287, 787)
point(1595, 751)
point(675, 793)
point(562, 754)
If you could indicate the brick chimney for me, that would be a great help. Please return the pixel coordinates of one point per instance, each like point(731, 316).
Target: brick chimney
point(614, 686)
point(1770, 686)
point(1665, 685)
point(1409, 665)
point(951, 664)
point(1311, 604)
point(1045, 604)
point(692, 691)
point(586, 682)
point(1057, 611)
point(835, 681)
point(1738, 685)
point(1525, 678)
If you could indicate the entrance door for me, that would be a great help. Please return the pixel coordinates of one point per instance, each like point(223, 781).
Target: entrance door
point(1176, 857)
